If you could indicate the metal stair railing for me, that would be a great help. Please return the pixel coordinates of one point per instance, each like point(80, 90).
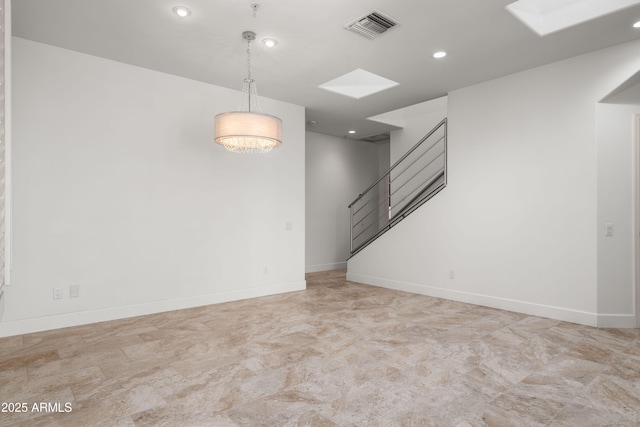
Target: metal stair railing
point(416, 177)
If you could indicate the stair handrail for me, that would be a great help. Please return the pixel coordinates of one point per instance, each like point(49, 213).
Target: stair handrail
point(424, 191)
point(407, 154)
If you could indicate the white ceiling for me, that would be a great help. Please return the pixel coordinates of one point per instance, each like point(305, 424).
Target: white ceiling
point(482, 38)
point(547, 16)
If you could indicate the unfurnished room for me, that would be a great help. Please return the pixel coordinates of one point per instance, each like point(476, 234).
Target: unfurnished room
point(340, 213)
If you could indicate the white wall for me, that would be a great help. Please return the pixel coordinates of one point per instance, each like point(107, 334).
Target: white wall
point(518, 221)
point(5, 155)
point(415, 121)
point(337, 170)
point(384, 156)
point(118, 188)
point(615, 131)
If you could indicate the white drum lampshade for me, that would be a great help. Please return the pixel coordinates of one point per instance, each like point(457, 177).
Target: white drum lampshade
point(248, 132)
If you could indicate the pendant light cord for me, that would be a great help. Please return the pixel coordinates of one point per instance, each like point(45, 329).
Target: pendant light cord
point(249, 80)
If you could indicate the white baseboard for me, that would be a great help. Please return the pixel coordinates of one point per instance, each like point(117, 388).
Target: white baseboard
point(325, 267)
point(551, 312)
point(616, 321)
point(18, 327)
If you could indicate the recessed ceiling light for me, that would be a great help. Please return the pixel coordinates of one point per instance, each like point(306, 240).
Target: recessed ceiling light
point(269, 42)
point(440, 54)
point(352, 131)
point(636, 25)
point(182, 11)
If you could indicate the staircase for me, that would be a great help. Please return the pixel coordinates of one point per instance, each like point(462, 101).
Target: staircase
point(415, 178)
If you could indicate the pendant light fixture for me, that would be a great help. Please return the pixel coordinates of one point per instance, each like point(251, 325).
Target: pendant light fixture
point(248, 130)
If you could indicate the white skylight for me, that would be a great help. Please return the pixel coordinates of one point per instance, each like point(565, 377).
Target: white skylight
point(548, 16)
point(358, 84)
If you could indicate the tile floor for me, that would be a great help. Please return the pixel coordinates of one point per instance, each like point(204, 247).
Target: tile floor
point(337, 354)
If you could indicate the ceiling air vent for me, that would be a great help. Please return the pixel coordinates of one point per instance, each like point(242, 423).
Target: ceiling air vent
point(372, 25)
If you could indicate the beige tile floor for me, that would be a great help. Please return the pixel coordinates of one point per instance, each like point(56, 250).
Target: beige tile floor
point(337, 354)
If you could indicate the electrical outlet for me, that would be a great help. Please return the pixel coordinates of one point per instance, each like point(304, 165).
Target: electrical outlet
point(288, 226)
point(57, 293)
point(265, 271)
point(74, 291)
point(452, 274)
